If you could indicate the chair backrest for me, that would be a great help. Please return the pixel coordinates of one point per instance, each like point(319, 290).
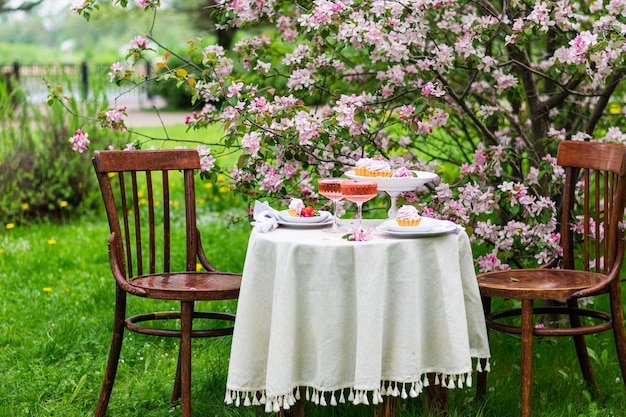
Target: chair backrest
point(138, 198)
point(593, 204)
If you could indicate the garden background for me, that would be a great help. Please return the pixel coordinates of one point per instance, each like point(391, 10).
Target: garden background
point(56, 308)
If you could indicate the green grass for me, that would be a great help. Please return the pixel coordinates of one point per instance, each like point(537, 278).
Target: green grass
point(55, 324)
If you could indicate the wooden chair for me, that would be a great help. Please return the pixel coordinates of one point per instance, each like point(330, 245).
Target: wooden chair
point(595, 188)
point(135, 187)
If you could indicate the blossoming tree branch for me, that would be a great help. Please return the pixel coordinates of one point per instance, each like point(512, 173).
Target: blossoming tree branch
point(479, 91)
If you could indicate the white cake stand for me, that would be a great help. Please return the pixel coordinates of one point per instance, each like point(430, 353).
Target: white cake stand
point(394, 186)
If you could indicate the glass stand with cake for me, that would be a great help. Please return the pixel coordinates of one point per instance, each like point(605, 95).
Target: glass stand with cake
point(401, 180)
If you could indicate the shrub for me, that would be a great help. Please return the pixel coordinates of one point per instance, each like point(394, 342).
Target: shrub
point(40, 175)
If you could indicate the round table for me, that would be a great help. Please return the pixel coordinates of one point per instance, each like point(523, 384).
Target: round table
point(353, 321)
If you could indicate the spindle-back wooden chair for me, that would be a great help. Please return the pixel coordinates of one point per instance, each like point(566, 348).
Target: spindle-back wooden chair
point(141, 212)
point(593, 199)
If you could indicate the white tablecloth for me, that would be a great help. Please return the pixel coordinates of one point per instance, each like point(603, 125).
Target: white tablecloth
point(353, 320)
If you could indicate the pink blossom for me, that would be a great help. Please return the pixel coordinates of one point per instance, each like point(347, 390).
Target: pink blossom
point(300, 79)
point(533, 176)
point(504, 81)
point(139, 43)
point(234, 90)
point(116, 68)
point(490, 262)
point(207, 161)
point(272, 180)
point(114, 119)
point(80, 141)
point(251, 143)
point(580, 45)
point(360, 235)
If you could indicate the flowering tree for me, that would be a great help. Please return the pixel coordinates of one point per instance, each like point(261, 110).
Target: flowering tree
point(479, 91)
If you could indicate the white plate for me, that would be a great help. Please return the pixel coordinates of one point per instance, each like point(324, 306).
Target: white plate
point(288, 218)
point(324, 223)
point(427, 227)
point(427, 224)
point(396, 184)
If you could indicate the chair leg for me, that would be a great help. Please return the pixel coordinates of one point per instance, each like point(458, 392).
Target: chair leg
point(176, 389)
point(436, 398)
point(481, 376)
point(296, 410)
point(619, 333)
point(581, 350)
point(114, 354)
point(185, 356)
point(527, 357)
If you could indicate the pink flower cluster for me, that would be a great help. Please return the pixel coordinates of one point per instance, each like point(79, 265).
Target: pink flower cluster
point(359, 235)
point(80, 141)
point(207, 161)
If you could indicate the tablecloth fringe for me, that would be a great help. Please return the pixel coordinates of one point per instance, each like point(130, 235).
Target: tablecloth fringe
point(355, 396)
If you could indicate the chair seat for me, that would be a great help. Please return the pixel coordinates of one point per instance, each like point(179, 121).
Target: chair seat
point(189, 286)
point(536, 284)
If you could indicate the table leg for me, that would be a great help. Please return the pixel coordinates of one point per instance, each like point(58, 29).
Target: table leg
point(436, 400)
point(296, 410)
point(387, 408)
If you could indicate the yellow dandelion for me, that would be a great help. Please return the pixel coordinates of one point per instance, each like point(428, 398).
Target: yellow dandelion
point(63, 204)
point(52, 242)
point(198, 267)
point(10, 226)
point(615, 108)
point(25, 206)
point(112, 174)
point(201, 201)
point(47, 289)
point(208, 185)
point(1, 250)
point(224, 189)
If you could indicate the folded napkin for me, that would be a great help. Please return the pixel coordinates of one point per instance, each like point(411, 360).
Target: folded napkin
point(265, 217)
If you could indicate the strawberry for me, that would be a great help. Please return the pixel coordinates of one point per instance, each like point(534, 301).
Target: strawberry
point(308, 211)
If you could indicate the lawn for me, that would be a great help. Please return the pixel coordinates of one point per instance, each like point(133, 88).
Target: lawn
point(55, 326)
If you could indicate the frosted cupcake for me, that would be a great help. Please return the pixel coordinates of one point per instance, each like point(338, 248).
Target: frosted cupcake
point(362, 167)
point(295, 207)
point(379, 168)
point(408, 216)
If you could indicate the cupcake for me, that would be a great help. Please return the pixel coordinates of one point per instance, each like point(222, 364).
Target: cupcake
point(379, 168)
point(295, 207)
point(408, 216)
point(362, 167)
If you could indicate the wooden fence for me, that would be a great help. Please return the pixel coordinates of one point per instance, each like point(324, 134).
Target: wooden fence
point(83, 81)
